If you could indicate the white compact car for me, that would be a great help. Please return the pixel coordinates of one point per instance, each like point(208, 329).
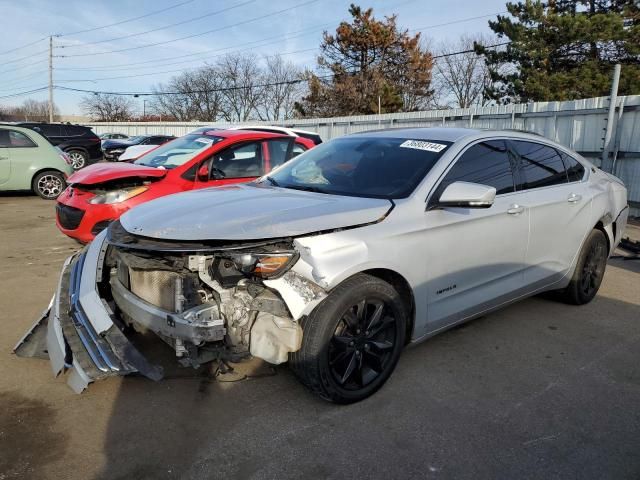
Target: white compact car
point(338, 258)
point(134, 152)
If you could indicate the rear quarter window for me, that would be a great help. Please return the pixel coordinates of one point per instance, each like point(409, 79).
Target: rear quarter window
point(575, 170)
point(540, 165)
point(75, 130)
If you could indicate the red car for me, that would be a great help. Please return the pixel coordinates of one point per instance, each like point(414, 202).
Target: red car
point(100, 193)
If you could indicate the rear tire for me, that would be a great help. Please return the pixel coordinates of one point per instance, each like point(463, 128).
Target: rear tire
point(589, 271)
point(352, 340)
point(49, 184)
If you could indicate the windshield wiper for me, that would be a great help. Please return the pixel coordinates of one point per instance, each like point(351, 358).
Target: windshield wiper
point(272, 181)
point(305, 188)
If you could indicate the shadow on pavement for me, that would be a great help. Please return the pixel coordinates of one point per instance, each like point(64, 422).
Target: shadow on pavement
point(538, 390)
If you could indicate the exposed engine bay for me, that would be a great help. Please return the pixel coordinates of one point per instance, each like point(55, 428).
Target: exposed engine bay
point(207, 302)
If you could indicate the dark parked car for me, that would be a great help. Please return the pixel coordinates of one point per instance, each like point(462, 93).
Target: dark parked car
point(112, 149)
point(79, 142)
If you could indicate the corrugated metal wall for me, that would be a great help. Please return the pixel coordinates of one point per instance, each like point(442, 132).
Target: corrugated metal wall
point(578, 124)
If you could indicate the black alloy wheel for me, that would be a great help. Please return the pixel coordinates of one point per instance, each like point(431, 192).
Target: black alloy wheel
point(593, 269)
point(589, 270)
point(362, 344)
point(352, 340)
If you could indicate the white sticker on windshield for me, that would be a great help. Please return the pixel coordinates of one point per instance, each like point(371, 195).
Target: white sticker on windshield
point(422, 145)
point(206, 141)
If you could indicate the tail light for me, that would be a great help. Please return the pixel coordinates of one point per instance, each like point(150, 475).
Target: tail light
point(66, 158)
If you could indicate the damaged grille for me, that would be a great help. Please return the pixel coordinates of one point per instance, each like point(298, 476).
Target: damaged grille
point(69, 217)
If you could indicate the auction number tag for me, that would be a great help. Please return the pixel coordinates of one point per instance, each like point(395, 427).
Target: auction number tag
point(422, 145)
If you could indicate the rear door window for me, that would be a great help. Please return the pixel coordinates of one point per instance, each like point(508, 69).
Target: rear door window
point(15, 139)
point(238, 161)
point(49, 130)
point(540, 165)
point(19, 140)
point(486, 163)
point(75, 130)
point(575, 170)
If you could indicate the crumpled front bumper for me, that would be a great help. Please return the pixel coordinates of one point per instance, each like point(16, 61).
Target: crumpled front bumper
point(85, 347)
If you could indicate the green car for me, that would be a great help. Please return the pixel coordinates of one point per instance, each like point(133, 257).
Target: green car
point(28, 161)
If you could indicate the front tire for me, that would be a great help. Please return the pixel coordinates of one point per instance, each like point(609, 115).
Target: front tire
point(352, 341)
point(589, 272)
point(49, 184)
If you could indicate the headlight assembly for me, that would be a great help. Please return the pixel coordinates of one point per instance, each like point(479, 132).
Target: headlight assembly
point(264, 265)
point(117, 196)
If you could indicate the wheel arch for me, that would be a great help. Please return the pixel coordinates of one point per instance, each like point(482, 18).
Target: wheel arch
point(606, 226)
point(42, 170)
point(76, 149)
point(402, 286)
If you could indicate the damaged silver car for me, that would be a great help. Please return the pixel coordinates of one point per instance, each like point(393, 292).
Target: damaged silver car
point(337, 259)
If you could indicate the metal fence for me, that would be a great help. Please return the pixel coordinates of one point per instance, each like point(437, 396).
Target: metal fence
point(578, 124)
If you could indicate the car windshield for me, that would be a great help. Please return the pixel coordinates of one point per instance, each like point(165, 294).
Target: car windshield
point(136, 139)
point(178, 152)
point(361, 166)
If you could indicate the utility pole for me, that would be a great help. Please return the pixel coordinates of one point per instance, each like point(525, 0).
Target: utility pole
point(51, 79)
point(608, 133)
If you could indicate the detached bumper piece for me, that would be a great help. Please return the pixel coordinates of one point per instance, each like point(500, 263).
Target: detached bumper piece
point(72, 343)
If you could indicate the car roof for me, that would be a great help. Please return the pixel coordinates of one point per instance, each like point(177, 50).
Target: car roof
point(445, 134)
point(19, 128)
point(223, 133)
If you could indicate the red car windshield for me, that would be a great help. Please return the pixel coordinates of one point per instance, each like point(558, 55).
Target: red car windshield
point(177, 152)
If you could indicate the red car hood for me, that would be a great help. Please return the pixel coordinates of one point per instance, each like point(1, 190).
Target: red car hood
point(104, 172)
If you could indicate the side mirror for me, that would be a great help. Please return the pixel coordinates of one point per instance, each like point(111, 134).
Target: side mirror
point(203, 172)
point(467, 195)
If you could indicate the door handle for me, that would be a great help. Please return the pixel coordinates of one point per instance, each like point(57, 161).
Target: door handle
point(3, 158)
point(515, 209)
point(573, 198)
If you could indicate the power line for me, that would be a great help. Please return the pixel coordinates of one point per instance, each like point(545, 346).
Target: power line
point(193, 35)
point(171, 71)
point(24, 93)
point(279, 37)
point(124, 21)
point(225, 89)
point(193, 19)
point(23, 78)
point(19, 67)
point(453, 22)
point(23, 46)
point(25, 58)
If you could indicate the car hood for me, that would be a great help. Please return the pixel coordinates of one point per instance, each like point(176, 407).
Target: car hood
point(110, 143)
point(249, 212)
point(104, 172)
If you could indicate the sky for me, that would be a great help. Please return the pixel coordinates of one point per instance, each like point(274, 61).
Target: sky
point(91, 31)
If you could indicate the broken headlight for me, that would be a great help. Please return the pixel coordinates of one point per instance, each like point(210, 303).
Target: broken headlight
point(117, 196)
point(264, 265)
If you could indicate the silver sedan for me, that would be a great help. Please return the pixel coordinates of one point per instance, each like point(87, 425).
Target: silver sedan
point(337, 259)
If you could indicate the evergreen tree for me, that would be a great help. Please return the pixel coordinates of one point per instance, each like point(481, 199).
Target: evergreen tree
point(564, 49)
point(365, 60)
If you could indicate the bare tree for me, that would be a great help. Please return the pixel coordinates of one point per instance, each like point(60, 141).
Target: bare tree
point(284, 89)
point(102, 107)
point(242, 77)
point(193, 95)
point(464, 76)
point(30, 110)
